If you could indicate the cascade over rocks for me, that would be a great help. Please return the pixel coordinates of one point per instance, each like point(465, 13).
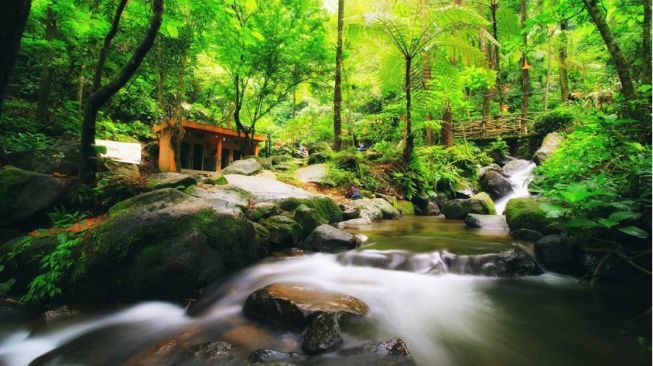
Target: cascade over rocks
point(269, 356)
point(293, 304)
point(550, 144)
point(26, 197)
point(162, 244)
point(243, 167)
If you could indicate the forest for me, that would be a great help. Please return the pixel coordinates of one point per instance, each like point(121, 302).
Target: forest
point(324, 167)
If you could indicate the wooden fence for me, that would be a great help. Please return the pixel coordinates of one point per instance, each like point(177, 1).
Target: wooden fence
point(503, 126)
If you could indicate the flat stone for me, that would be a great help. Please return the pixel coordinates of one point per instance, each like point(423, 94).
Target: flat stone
point(495, 222)
point(515, 166)
point(224, 199)
point(263, 189)
point(244, 167)
point(312, 173)
point(170, 180)
point(292, 304)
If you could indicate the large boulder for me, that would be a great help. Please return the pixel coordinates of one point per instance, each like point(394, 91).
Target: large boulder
point(526, 234)
point(376, 209)
point(26, 197)
point(326, 238)
point(162, 244)
point(266, 189)
point(223, 198)
point(494, 222)
point(515, 166)
point(243, 167)
point(550, 144)
point(527, 213)
point(406, 208)
point(481, 171)
point(170, 180)
point(458, 208)
point(320, 147)
point(496, 184)
point(308, 218)
point(556, 253)
point(62, 157)
point(462, 189)
point(294, 304)
point(325, 209)
point(284, 232)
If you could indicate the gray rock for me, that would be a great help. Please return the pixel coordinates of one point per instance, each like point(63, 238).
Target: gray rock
point(376, 209)
point(556, 253)
point(224, 199)
point(354, 223)
point(463, 190)
point(264, 189)
point(349, 213)
point(170, 180)
point(509, 263)
point(243, 167)
point(212, 352)
point(268, 356)
point(515, 166)
point(326, 238)
point(459, 208)
point(526, 234)
point(495, 184)
point(263, 210)
point(392, 347)
point(495, 222)
point(62, 157)
point(313, 173)
point(432, 209)
point(26, 197)
point(487, 168)
point(60, 314)
point(550, 144)
point(323, 334)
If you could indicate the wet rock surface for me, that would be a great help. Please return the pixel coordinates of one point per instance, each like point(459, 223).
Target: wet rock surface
point(292, 304)
point(268, 356)
point(550, 144)
point(326, 238)
point(170, 180)
point(243, 167)
point(556, 253)
point(496, 184)
point(323, 334)
point(526, 234)
point(493, 222)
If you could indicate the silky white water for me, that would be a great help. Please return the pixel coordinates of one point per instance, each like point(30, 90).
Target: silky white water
point(520, 181)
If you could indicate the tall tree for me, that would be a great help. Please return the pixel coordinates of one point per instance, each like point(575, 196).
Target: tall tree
point(525, 76)
point(562, 61)
point(646, 41)
point(337, 90)
point(623, 69)
point(102, 93)
point(13, 17)
point(47, 68)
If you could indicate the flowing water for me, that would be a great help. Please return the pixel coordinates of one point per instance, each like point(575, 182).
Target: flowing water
point(520, 181)
point(444, 318)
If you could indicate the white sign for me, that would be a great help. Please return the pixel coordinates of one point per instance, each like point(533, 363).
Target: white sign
point(124, 152)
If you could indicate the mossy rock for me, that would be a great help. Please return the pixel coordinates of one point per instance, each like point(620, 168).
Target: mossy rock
point(26, 197)
point(308, 218)
point(325, 207)
point(170, 180)
point(284, 231)
point(216, 180)
point(527, 213)
point(405, 207)
point(487, 202)
point(459, 208)
point(347, 161)
point(320, 147)
point(262, 210)
point(163, 244)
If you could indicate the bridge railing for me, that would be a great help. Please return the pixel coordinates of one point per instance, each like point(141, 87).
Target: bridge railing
point(495, 127)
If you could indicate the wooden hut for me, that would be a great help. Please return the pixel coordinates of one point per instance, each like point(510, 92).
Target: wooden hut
point(203, 147)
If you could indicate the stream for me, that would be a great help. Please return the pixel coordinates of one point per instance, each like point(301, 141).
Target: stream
point(445, 319)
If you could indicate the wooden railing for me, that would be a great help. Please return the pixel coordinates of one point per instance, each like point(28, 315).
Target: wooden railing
point(503, 126)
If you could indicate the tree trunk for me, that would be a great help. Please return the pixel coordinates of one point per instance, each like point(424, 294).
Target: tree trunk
point(47, 70)
point(494, 6)
point(408, 132)
point(102, 94)
point(447, 126)
point(547, 83)
point(178, 125)
point(337, 92)
point(562, 67)
point(646, 38)
point(623, 69)
point(13, 17)
point(426, 79)
point(525, 77)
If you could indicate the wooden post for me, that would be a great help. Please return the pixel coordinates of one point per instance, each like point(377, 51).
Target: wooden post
point(255, 148)
point(218, 155)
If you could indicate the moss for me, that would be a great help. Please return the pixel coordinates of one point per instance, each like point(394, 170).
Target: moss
point(527, 213)
point(308, 218)
point(487, 202)
point(10, 178)
point(405, 207)
point(325, 207)
point(284, 231)
point(216, 180)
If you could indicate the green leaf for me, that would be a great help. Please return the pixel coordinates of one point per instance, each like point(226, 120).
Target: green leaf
point(581, 223)
point(100, 149)
point(634, 231)
point(172, 30)
point(620, 216)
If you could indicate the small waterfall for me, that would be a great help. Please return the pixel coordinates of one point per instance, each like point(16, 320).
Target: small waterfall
point(520, 181)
